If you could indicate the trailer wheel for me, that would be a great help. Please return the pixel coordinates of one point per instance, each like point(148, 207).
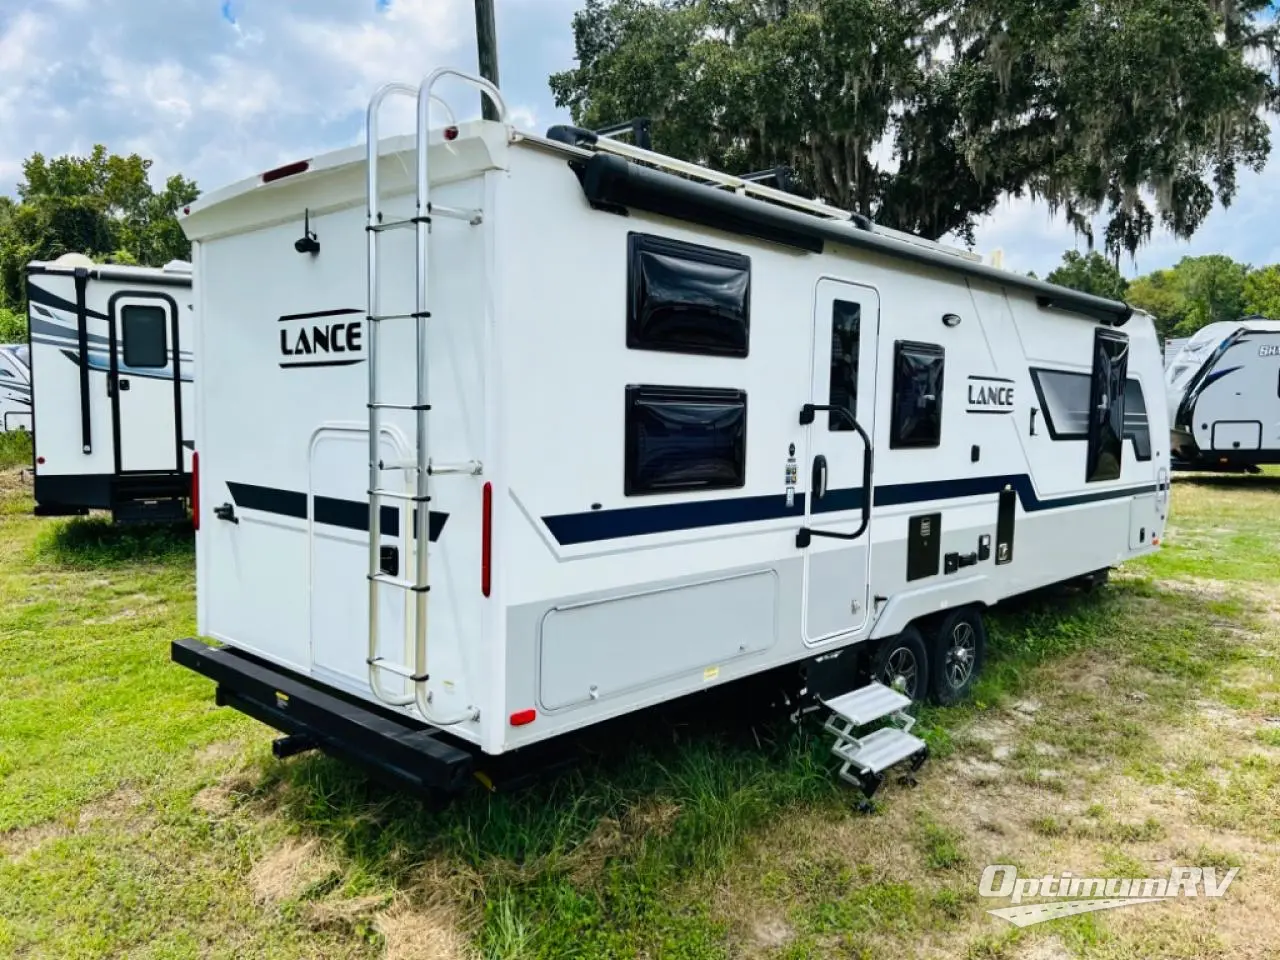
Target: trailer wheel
point(902, 662)
point(959, 649)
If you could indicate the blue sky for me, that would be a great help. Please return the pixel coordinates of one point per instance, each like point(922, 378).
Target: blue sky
point(221, 89)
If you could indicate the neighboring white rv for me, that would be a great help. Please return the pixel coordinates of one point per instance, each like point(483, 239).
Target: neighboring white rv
point(15, 388)
point(583, 429)
point(1224, 396)
point(111, 371)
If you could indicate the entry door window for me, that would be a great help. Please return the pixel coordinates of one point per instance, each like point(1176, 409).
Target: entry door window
point(144, 331)
point(1106, 405)
point(846, 341)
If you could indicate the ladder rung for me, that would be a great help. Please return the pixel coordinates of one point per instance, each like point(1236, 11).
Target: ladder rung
point(398, 465)
point(379, 405)
point(419, 315)
point(473, 217)
point(398, 669)
point(397, 224)
point(397, 495)
point(391, 581)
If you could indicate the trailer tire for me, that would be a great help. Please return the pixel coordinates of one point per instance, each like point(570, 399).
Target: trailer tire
point(959, 650)
point(902, 662)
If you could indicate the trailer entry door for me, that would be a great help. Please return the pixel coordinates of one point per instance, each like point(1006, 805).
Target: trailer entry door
point(846, 324)
point(144, 383)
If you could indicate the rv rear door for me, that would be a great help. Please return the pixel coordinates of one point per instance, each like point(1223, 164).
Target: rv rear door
point(845, 324)
point(144, 382)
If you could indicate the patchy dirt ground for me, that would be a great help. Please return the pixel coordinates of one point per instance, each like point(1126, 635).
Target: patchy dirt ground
point(1114, 735)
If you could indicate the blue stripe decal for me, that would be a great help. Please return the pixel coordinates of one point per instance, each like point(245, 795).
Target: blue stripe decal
point(574, 528)
point(1218, 375)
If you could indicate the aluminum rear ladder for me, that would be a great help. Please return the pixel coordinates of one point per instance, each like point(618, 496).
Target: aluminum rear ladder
point(421, 466)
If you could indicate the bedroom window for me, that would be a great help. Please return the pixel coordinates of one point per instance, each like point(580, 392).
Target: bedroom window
point(144, 331)
point(917, 395)
point(685, 298)
point(684, 438)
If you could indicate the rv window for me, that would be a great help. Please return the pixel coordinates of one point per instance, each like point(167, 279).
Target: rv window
point(145, 336)
point(685, 438)
point(1135, 420)
point(686, 298)
point(1106, 405)
point(917, 395)
point(846, 318)
point(1064, 401)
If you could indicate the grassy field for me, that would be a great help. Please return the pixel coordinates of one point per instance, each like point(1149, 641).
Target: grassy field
point(1113, 734)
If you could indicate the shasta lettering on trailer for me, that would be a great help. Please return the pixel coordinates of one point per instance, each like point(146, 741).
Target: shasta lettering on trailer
point(111, 377)
point(686, 429)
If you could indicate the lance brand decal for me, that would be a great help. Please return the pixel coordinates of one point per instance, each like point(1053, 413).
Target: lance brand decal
point(990, 395)
point(1269, 350)
point(326, 338)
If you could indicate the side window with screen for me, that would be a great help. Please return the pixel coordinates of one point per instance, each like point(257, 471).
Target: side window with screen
point(685, 298)
point(144, 331)
point(684, 438)
point(1136, 427)
point(917, 395)
point(846, 321)
point(1064, 401)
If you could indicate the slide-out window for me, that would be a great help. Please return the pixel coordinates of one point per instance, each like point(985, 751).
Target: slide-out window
point(685, 438)
point(1136, 427)
point(686, 298)
point(846, 321)
point(1064, 402)
point(917, 395)
point(145, 333)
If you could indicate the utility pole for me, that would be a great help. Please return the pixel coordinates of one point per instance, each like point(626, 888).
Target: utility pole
point(487, 43)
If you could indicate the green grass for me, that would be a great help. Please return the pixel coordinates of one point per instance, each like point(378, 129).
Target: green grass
point(15, 449)
point(138, 819)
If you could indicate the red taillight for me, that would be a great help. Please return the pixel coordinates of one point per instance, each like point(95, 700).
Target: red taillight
point(521, 717)
point(451, 133)
point(486, 542)
point(195, 490)
point(288, 170)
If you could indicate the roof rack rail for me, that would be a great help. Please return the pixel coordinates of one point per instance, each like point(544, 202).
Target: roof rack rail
point(639, 129)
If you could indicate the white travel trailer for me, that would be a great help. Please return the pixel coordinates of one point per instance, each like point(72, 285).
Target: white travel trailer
point(1224, 396)
point(15, 388)
point(111, 369)
point(503, 438)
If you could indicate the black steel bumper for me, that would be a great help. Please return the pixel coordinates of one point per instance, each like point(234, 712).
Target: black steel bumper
point(392, 748)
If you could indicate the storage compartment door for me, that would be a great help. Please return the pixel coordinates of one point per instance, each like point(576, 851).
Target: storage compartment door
point(1144, 521)
point(1229, 435)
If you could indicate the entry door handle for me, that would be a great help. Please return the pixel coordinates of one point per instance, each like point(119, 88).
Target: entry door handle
point(124, 384)
point(806, 418)
point(819, 485)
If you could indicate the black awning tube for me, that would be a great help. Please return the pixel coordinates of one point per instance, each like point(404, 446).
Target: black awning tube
point(612, 183)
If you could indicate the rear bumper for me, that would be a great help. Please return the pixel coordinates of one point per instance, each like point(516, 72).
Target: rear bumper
point(392, 748)
point(77, 492)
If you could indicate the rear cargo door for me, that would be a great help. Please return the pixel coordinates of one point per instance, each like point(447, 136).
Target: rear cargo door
point(837, 559)
point(144, 382)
